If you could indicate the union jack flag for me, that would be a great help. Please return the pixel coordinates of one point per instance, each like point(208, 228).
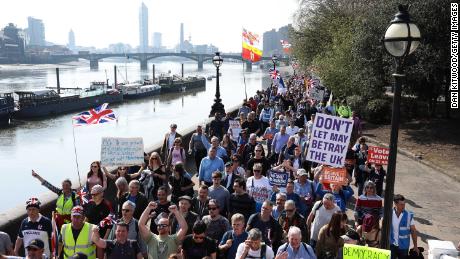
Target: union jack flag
point(108, 221)
point(274, 74)
point(82, 195)
point(97, 115)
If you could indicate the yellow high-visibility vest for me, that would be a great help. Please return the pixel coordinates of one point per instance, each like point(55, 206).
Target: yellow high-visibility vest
point(64, 207)
point(83, 244)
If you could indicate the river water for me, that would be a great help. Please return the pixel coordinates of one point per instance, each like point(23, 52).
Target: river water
point(46, 145)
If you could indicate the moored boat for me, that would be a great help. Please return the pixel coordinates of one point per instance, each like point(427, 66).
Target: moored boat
point(6, 108)
point(47, 102)
point(175, 83)
point(139, 90)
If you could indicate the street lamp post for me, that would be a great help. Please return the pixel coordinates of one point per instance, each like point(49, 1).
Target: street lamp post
point(217, 106)
point(274, 59)
point(402, 37)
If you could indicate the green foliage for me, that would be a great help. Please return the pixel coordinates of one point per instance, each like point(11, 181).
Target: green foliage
point(341, 39)
point(357, 104)
point(378, 111)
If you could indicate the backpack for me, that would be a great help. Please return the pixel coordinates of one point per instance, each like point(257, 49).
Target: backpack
point(263, 251)
point(368, 222)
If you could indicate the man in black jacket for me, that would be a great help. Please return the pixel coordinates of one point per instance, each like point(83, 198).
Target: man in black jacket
point(135, 196)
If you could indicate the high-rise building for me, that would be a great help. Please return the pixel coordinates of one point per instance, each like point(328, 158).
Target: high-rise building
point(71, 44)
point(143, 28)
point(181, 40)
point(35, 32)
point(272, 38)
point(157, 41)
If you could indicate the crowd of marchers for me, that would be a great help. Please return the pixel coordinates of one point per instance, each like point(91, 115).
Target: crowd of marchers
point(231, 210)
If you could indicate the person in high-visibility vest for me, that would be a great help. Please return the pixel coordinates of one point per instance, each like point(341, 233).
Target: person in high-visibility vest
point(67, 199)
point(76, 236)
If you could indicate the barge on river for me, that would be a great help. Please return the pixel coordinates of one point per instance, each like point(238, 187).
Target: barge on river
point(47, 102)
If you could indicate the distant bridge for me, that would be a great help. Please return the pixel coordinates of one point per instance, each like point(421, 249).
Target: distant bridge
point(144, 57)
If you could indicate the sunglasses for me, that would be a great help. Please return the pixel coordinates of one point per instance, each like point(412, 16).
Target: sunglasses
point(153, 157)
point(125, 210)
point(94, 166)
point(32, 249)
point(289, 210)
point(256, 170)
point(162, 226)
point(212, 208)
point(258, 150)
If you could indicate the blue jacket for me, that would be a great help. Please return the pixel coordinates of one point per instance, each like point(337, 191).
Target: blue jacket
point(341, 197)
point(404, 230)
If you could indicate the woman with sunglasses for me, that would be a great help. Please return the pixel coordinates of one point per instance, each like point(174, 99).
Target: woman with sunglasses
point(176, 154)
point(228, 144)
point(122, 171)
point(368, 203)
point(95, 176)
point(153, 176)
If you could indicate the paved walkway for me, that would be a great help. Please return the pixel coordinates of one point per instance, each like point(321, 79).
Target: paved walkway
point(432, 196)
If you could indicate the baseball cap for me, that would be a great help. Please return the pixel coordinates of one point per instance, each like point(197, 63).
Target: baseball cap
point(77, 210)
point(173, 125)
point(229, 163)
point(97, 189)
point(33, 202)
point(36, 243)
point(301, 172)
point(301, 130)
point(185, 197)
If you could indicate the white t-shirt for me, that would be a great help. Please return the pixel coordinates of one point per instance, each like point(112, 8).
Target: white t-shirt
point(396, 221)
point(292, 131)
point(322, 217)
point(255, 254)
point(259, 189)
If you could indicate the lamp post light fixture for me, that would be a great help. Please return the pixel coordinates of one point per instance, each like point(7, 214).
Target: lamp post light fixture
point(274, 60)
point(217, 107)
point(401, 39)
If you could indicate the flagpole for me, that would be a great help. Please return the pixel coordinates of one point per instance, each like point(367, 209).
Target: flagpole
point(244, 80)
point(76, 157)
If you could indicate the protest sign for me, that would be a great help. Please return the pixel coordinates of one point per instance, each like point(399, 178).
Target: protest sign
point(278, 178)
point(378, 155)
point(329, 140)
point(122, 151)
point(364, 252)
point(335, 175)
point(316, 94)
point(235, 128)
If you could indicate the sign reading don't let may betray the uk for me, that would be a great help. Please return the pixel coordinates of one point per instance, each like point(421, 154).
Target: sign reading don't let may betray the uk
point(329, 140)
point(122, 151)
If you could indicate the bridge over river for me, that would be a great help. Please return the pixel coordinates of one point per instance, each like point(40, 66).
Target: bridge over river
point(145, 57)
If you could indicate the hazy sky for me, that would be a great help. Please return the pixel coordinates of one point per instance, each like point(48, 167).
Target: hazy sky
point(101, 22)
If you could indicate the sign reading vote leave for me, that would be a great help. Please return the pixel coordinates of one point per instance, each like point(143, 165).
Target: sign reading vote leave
point(235, 127)
point(122, 151)
point(364, 252)
point(329, 140)
point(277, 178)
point(335, 175)
point(378, 155)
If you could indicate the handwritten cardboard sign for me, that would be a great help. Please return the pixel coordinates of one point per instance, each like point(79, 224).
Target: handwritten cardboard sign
point(122, 151)
point(334, 175)
point(235, 128)
point(329, 140)
point(363, 252)
point(277, 178)
point(316, 94)
point(378, 155)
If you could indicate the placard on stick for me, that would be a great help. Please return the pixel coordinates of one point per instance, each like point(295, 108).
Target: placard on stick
point(378, 155)
point(329, 141)
point(335, 175)
point(278, 178)
point(122, 151)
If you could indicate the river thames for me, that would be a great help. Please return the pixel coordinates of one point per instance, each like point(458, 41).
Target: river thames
point(46, 145)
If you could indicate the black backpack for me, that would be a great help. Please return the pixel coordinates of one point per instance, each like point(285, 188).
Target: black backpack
point(304, 246)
